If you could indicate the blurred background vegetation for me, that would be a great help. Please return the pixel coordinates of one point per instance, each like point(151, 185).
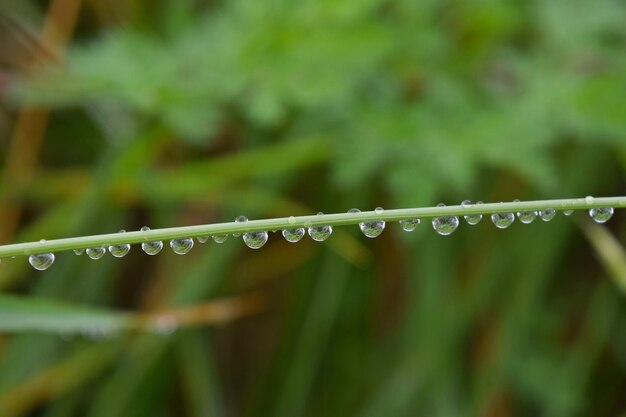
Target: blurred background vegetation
point(120, 114)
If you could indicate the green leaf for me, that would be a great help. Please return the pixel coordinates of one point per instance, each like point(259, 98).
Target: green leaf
point(22, 314)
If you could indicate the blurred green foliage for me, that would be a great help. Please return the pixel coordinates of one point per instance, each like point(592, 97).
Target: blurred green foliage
point(191, 112)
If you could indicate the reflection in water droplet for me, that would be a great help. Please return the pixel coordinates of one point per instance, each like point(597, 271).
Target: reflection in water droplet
point(240, 219)
point(41, 261)
point(95, 253)
point(79, 252)
point(202, 239)
point(181, 246)
point(121, 250)
point(547, 214)
point(527, 217)
point(255, 240)
point(219, 238)
point(379, 210)
point(372, 229)
point(471, 219)
point(502, 220)
point(408, 225)
point(601, 214)
point(320, 233)
point(293, 235)
point(568, 212)
point(152, 248)
point(445, 225)
point(589, 199)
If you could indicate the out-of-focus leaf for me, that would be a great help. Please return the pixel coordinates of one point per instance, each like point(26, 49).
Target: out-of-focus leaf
point(21, 314)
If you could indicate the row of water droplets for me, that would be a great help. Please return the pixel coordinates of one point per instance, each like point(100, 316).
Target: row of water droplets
point(443, 225)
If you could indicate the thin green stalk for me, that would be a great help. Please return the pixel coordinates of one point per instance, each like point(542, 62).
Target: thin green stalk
point(338, 219)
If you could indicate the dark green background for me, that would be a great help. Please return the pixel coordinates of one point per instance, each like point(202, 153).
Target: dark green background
point(171, 113)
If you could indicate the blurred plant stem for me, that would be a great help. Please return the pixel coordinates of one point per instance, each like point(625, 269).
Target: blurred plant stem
point(31, 122)
point(609, 250)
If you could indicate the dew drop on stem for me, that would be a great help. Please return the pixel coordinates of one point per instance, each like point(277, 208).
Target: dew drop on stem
point(372, 228)
point(408, 225)
point(445, 225)
point(219, 238)
point(502, 220)
point(41, 261)
point(151, 248)
point(293, 235)
point(526, 217)
point(181, 246)
point(121, 250)
point(95, 253)
point(240, 219)
point(471, 219)
point(255, 240)
point(320, 233)
point(547, 214)
point(601, 214)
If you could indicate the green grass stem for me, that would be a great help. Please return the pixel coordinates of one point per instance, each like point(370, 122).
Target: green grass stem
point(337, 219)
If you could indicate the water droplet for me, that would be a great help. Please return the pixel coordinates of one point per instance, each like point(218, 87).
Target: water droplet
point(601, 214)
point(181, 246)
point(320, 233)
point(471, 219)
point(202, 239)
point(79, 252)
point(42, 241)
point(152, 248)
point(95, 253)
point(547, 214)
point(445, 225)
point(119, 251)
point(568, 212)
point(255, 240)
point(502, 220)
point(240, 219)
point(291, 220)
point(372, 229)
point(408, 225)
point(145, 229)
point(379, 210)
point(219, 238)
point(293, 235)
point(527, 217)
point(41, 261)
point(589, 199)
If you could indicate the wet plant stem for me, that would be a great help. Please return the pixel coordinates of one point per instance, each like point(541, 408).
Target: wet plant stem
point(339, 219)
